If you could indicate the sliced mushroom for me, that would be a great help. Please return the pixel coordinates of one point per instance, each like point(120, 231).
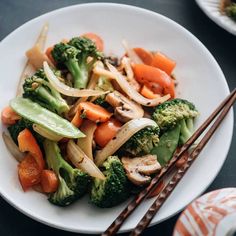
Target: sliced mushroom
point(124, 109)
point(139, 169)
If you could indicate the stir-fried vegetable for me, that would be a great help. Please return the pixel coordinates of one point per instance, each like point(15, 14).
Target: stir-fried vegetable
point(122, 136)
point(47, 119)
point(66, 90)
point(132, 93)
point(86, 143)
point(79, 159)
point(128, 129)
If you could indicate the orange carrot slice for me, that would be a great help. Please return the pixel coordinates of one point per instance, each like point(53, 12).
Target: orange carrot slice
point(49, 181)
point(145, 74)
point(9, 116)
point(148, 93)
point(94, 112)
point(163, 62)
point(27, 143)
point(29, 172)
point(144, 55)
point(106, 131)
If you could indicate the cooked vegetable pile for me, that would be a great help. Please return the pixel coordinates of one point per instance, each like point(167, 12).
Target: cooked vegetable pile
point(228, 7)
point(89, 123)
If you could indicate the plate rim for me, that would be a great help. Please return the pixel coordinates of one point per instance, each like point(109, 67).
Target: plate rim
point(140, 9)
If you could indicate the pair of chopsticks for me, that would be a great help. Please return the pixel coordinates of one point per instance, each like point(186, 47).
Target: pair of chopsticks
point(173, 164)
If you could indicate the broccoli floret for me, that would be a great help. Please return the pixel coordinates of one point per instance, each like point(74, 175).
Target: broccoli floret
point(73, 183)
point(142, 142)
point(38, 89)
point(231, 11)
point(114, 189)
point(173, 112)
point(74, 55)
point(20, 125)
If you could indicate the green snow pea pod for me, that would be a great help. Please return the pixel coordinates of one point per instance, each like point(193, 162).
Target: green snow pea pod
point(167, 145)
point(47, 119)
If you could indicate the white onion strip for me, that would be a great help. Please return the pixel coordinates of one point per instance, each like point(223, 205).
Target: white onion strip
point(28, 69)
point(123, 135)
point(131, 53)
point(12, 147)
point(80, 160)
point(46, 133)
point(132, 93)
point(66, 90)
point(86, 144)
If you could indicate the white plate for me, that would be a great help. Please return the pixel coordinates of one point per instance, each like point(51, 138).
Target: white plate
point(200, 80)
point(211, 9)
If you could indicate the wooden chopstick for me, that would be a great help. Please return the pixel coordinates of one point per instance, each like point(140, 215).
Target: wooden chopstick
point(162, 197)
point(116, 224)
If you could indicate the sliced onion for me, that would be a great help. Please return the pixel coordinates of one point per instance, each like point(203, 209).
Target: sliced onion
point(66, 90)
point(28, 69)
point(123, 135)
point(88, 128)
point(80, 160)
point(128, 69)
point(132, 93)
point(36, 57)
point(131, 53)
point(12, 147)
point(101, 71)
point(91, 85)
point(46, 133)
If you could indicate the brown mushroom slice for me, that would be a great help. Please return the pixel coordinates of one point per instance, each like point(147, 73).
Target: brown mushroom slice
point(124, 109)
point(138, 179)
point(138, 169)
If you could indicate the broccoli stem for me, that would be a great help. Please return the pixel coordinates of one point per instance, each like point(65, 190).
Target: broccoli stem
point(52, 101)
point(79, 73)
point(54, 158)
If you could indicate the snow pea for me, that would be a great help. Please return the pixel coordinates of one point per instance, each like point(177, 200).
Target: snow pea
point(47, 119)
point(167, 145)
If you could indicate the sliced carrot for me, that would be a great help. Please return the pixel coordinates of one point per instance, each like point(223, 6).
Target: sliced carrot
point(157, 190)
point(148, 93)
point(155, 88)
point(171, 89)
point(96, 39)
point(106, 131)
point(27, 143)
point(9, 116)
point(49, 54)
point(29, 172)
point(145, 55)
point(94, 112)
point(144, 73)
point(77, 120)
point(49, 181)
point(163, 62)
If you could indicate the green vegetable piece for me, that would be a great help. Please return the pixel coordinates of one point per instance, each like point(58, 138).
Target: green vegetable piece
point(73, 182)
point(47, 119)
point(231, 11)
point(114, 189)
point(167, 145)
